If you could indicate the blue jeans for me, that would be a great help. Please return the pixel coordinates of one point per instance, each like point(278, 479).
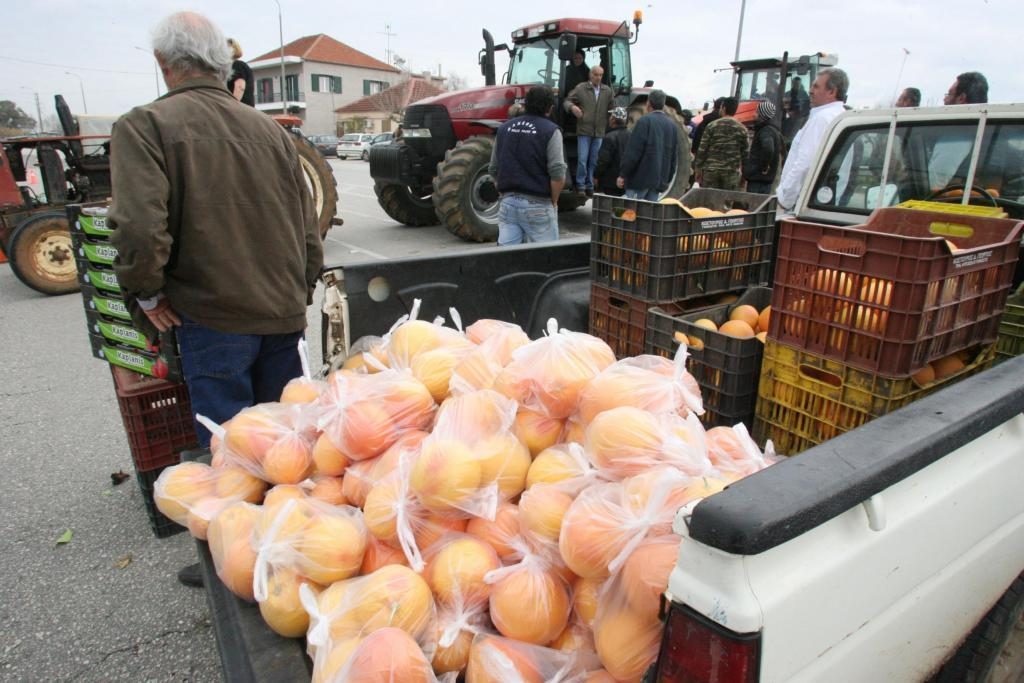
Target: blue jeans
point(587, 149)
point(649, 195)
point(526, 219)
point(227, 372)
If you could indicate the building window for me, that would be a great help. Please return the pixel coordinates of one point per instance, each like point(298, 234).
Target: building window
point(322, 83)
point(374, 87)
point(265, 90)
point(291, 87)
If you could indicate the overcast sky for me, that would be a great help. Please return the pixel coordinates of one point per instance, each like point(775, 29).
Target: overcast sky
point(680, 43)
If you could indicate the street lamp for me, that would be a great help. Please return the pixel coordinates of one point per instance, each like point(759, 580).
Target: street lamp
point(156, 70)
point(739, 36)
point(85, 107)
point(280, 35)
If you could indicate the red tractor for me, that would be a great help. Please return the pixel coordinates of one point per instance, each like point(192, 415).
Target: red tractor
point(437, 171)
point(773, 79)
point(34, 232)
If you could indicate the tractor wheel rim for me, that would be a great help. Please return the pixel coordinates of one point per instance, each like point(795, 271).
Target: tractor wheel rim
point(54, 256)
point(483, 208)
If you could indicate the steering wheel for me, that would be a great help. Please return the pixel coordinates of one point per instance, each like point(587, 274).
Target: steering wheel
point(545, 75)
point(938, 194)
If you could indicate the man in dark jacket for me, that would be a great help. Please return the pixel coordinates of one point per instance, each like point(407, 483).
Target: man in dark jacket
point(762, 164)
point(529, 169)
point(577, 72)
point(589, 103)
point(649, 163)
point(610, 157)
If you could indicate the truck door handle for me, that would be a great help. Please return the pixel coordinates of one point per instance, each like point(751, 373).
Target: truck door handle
point(875, 509)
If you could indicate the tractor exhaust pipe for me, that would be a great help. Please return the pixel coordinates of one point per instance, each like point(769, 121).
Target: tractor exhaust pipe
point(487, 59)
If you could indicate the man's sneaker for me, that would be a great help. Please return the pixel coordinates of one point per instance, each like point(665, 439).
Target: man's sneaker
point(191, 576)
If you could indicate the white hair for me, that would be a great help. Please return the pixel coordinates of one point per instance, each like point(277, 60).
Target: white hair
point(190, 42)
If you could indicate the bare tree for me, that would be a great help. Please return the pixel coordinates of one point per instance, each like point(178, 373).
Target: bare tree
point(455, 81)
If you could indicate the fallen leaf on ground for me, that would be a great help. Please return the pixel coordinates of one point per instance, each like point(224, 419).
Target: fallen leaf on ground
point(65, 537)
point(119, 477)
point(123, 562)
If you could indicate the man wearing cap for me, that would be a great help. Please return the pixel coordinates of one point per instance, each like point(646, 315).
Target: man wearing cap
point(762, 163)
point(589, 102)
point(612, 147)
point(722, 149)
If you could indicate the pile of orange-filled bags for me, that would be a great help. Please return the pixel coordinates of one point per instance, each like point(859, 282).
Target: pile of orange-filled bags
point(463, 502)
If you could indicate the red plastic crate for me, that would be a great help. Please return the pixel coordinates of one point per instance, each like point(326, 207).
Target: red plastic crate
point(157, 418)
point(621, 320)
point(905, 288)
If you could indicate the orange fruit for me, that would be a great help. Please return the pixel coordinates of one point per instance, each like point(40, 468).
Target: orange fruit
point(924, 376)
point(763, 319)
point(707, 324)
point(746, 313)
point(737, 328)
point(945, 367)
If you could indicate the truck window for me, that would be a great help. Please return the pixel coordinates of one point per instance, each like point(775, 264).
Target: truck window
point(926, 158)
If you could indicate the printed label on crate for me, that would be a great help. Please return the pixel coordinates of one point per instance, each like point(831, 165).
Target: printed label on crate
point(134, 361)
point(94, 225)
point(719, 223)
point(100, 253)
point(123, 334)
point(103, 279)
point(971, 260)
point(111, 307)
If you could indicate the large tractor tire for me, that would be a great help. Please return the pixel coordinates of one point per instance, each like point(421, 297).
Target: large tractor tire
point(42, 256)
point(404, 205)
point(464, 193)
point(320, 181)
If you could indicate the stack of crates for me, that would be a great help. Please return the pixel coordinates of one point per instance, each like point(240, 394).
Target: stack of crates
point(154, 404)
point(867, 319)
point(726, 368)
point(111, 333)
point(1011, 328)
point(650, 254)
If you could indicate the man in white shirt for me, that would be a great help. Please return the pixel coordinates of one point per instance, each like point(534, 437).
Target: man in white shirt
point(828, 92)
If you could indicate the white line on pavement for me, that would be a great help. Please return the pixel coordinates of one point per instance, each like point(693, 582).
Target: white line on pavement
point(358, 250)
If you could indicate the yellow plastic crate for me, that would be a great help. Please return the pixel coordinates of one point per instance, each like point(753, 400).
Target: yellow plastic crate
point(804, 399)
point(961, 209)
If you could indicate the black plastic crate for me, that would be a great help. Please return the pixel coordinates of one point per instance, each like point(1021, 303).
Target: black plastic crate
point(726, 368)
point(660, 253)
point(161, 525)
point(621, 320)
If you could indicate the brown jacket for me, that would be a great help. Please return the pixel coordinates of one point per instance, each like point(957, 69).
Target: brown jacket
point(595, 110)
point(211, 208)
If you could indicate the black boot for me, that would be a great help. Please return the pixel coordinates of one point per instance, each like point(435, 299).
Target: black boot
point(191, 576)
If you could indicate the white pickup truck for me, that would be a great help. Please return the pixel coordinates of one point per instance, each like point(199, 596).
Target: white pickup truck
point(894, 552)
point(891, 553)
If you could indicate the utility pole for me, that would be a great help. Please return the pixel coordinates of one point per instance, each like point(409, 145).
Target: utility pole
point(280, 35)
point(906, 53)
point(387, 32)
point(85, 107)
point(39, 113)
point(739, 37)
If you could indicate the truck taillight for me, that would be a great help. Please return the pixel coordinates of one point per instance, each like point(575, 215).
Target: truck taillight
point(694, 649)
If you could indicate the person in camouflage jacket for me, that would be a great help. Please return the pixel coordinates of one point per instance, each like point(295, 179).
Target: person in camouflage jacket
point(723, 147)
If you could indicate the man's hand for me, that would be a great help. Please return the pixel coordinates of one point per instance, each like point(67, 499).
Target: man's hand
point(620, 183)
point(163, 316)
point(576, 111)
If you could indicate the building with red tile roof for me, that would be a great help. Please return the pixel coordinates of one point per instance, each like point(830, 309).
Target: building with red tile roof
point(321, 75)
point(381, 111)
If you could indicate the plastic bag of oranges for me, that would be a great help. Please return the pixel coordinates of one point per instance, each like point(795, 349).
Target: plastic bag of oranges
point(627, 640)
point(273, 441)
point(496, 342)
point(471, 458)
point(230, 541)
point(733, 452)
point(303, 389)
point(626, 441)
point(385, 656)
point(607, 522)
point(364, 415)
point(648, 382)
point(494, 659)
point(302, 540)
point(347, 612)
point(192, 494)
point(530, 600)
point(548, 374)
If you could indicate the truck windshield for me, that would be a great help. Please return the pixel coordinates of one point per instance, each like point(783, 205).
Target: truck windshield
point(925, 158)
point(535, 63)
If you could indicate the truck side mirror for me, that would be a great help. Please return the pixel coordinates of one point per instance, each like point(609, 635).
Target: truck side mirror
point(566, 47)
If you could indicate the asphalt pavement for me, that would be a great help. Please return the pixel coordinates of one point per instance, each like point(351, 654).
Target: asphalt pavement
point(105, 605)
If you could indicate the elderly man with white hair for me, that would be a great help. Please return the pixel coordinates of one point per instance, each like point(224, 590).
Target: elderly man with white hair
point(215, 229)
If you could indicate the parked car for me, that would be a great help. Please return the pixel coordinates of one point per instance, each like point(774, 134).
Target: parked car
point(327, 145)
point(355, 145)
point(379, 139)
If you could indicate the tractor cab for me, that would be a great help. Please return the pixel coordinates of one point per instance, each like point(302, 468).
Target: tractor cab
point(786, 82)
